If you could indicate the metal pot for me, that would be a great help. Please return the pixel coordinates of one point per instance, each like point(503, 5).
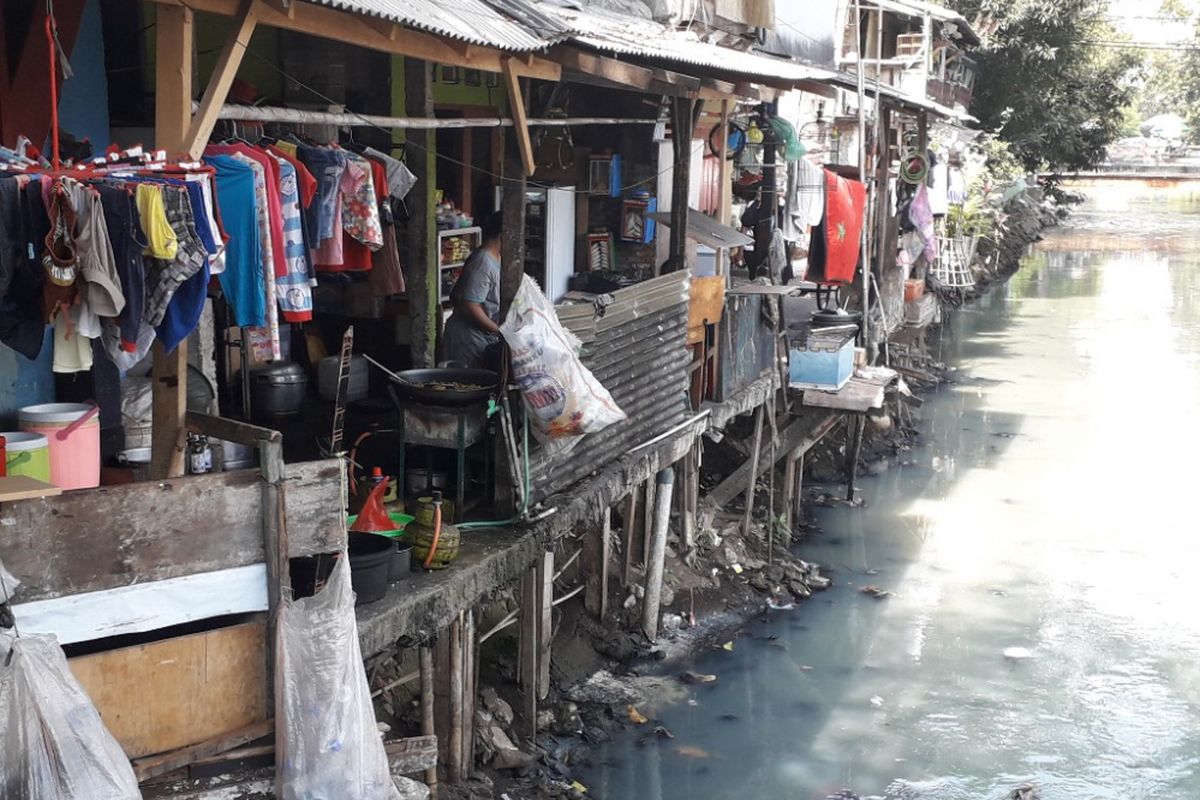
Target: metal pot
point(278, 390)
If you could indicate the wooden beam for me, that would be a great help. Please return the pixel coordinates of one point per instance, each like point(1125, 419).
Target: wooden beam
point(343, 26)
point(545, 581)
point(512, 237)
point(520, 119)
point(630, 76)
point(385, 27)
point(161, 764)
point(724, 176)
point(800, 435)
point(175, 42)
point(425, 284)
point(222, 77)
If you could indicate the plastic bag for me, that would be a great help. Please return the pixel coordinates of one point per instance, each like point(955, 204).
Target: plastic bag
point(331, 748)
point(8, 584)
point(561, 395)
point(53, 744)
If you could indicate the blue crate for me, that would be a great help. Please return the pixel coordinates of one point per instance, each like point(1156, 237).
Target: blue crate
point(821, 362)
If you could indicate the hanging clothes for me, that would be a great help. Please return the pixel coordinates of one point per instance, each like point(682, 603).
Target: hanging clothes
point(23, 228)
point(274, 213)
point(126, 239)
point(264, 339)
point(294, 290)
point(243, 280)
point(834, 252)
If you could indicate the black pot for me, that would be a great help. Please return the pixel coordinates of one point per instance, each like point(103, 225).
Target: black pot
point(278, 390)
point(401, 565)
point(831, 318)
point(371, 559)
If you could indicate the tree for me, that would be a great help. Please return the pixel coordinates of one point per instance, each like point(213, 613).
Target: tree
point(1045, 85)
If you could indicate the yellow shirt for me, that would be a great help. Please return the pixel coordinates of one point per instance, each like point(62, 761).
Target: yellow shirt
point(286, 147)
point(159, 234)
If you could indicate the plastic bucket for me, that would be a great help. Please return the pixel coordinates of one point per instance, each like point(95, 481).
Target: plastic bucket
point(370, 566)
point(75, 459)
point(28, 454)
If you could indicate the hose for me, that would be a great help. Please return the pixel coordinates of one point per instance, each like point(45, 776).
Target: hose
point(503, 523)
point(437, 529)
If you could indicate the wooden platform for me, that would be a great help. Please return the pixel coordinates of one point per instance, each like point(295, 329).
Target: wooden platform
point(863, 392)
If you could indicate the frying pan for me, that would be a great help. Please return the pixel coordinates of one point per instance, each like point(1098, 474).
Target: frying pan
point(414, 384)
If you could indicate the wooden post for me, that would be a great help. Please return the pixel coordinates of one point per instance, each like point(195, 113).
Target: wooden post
point(755, 453)
point(596, 555)
point(682, 122)
point(658, 554)
point(789, 488)
point(424, 285)
point(224, 72)
point(687, 517)
point(627, 528)
point(527, 663)
point(545, 581)
point(455, 754)
point(175, 42)
point(724, 170)
point(516, 99)
point(512, 243)
point(798, 494)
point(427, 724)
point(853, 447)
point(647, 520)
point(470, 692)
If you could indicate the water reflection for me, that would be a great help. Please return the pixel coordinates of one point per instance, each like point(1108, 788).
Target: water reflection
point(1048, 510)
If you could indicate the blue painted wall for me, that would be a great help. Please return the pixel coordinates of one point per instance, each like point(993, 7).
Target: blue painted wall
point(83, 104)
point(24, 382)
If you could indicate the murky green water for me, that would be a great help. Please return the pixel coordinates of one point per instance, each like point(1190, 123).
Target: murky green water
point(1052, 508)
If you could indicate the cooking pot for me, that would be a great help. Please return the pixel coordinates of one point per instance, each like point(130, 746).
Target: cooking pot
point(278, 389)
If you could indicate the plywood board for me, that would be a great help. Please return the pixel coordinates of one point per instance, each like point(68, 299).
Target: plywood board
point(179, 692)
point(96, 539)
point(707, 303)
point(23, 487)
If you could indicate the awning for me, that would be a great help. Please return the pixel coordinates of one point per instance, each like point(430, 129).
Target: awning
point(645, 38)
point(472, 21)
point(706, 230)
point(918, 8)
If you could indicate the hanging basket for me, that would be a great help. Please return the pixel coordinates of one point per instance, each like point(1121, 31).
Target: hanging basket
point(953, 266)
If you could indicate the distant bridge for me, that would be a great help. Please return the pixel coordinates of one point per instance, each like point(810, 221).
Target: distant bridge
point(1167, 171)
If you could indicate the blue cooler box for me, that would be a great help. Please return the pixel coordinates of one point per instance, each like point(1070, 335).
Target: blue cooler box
point(821, 361)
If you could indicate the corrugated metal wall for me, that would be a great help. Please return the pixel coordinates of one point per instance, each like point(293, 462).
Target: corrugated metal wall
point(637, 349)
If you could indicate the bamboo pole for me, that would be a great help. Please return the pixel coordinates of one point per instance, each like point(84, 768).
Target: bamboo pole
point(427, 724)
point(299, 116)
point(456, 701)
point(545, 606)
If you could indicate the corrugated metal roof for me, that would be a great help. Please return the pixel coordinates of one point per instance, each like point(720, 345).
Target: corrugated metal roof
point(472, 21)
point(643, 37)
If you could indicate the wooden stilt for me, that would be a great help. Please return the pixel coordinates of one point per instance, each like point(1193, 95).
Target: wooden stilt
point(858, 423)
point(755, 452)
point(647, 521)
point(597, 550)
point(427, 724)
point(545, 608)
point(798, 494)
point(529, 649)
point(456, 705)
point(687, 517)
point(628, 525)
point(470, 692)
point(605, 560)
point(789, 492)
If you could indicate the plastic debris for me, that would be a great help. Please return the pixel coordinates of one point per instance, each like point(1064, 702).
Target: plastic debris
point(636, 717)
point(697, 677)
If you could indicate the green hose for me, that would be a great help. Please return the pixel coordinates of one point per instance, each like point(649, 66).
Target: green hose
point(504, 523)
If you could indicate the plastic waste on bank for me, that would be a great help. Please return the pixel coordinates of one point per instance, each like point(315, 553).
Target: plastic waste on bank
point(53, 744)
point(330, 748)
point(373, 517)
point(562, 396)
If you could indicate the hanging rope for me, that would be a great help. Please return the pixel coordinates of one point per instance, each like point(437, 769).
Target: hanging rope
point(57, 57)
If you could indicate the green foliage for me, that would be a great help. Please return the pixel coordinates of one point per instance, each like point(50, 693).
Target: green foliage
point(1044, 86)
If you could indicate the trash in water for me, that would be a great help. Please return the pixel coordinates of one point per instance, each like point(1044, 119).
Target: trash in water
point(877, 701)
point(875, 591)
point(1025, 791)
point(697, 677)
point(691, 751)
point(1017, 653)
point(727, 646)
point(780, 605)
point(636, 717)
point(579, 787)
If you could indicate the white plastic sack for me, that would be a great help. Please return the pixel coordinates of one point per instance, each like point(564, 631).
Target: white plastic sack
point(8, 584)
point(53, 744)
point(561, 395)
point(331, 748)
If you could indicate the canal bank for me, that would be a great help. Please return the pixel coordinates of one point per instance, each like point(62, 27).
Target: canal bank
point(1024, 635)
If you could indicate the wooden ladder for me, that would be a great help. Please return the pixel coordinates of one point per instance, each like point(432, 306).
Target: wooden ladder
point(343, 388)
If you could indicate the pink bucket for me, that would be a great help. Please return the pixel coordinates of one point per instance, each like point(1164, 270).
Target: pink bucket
point(75, 456)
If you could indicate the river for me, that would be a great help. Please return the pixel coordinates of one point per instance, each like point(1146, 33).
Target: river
point(1050, 508)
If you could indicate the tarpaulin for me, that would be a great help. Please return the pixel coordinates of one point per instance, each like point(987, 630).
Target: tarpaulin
point(835, 243)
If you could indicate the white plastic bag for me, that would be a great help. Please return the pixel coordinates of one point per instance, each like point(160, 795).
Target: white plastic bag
point(561, 395)
point(8, 584)
point(53, 744)
point(331, 748)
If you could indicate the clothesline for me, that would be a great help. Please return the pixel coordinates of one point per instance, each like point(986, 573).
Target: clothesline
point(304, 116)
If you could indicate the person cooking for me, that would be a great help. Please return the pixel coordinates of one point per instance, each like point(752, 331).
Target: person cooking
point(472, 335)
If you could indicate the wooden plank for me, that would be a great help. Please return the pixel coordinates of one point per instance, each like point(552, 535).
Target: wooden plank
point(234, 49)
point(752, 475)
point(527, 660)
point(182, 691)
point(230, 430)
point(153, 766)
point(357, 30)
point(412, 755)
point(800, 435)
point(858, 395)
point(545, 609)
point(706, 304)
point(516, 102)
point(113, 536)
point(23, 487)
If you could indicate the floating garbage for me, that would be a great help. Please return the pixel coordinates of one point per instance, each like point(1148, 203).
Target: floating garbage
point(875, 591)
point(697, 677)
point(1018, 653)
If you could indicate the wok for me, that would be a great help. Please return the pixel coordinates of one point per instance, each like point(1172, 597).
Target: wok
point(415, 385)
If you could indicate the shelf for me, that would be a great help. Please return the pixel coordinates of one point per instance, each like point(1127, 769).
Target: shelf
point(460, 232)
